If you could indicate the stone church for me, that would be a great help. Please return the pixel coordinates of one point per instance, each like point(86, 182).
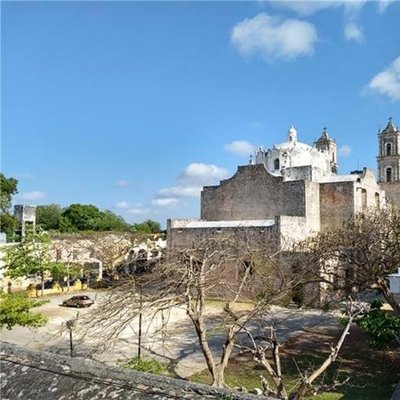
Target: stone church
point(291, 191)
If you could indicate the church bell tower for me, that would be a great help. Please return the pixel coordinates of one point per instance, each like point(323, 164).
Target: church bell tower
point(389, 161)
point(325, 143)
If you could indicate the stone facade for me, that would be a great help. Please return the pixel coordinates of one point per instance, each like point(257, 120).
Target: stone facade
point(291, 192)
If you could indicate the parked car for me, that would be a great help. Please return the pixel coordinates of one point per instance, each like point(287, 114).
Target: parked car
point(78, 301)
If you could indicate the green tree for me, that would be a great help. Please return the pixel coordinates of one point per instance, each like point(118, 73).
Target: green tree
point(15, 309)
point(147, 226)
point(8, 187)
point(80, 217)
point(48, 216)
point(87, 217)
point(108, 221)
point(32, 257)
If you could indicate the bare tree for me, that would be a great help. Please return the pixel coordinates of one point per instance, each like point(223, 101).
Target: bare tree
point(268, 344)
point(232, 271)
point(359, 255)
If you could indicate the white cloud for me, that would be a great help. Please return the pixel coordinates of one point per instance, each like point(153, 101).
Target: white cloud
point(122, 205)
point(344, 150)
point(35, 195)
point(138, 211)
point(123, 183)
point(307, 7)
point(201, 173)
point(384, 4)
point(274, 38)
point(192, 179)
point(387, 82)
point(167, 202)
point(240, 148)
point(180, 191)
point(352, 32)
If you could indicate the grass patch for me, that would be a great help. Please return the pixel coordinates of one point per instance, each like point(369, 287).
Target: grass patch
point(373, 373)
point(150, 365)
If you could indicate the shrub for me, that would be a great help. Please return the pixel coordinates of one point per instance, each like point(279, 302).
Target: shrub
point(382, 326)
point(150, 365)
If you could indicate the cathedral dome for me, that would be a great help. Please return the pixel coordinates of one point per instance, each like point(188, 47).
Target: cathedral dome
point(292, 143)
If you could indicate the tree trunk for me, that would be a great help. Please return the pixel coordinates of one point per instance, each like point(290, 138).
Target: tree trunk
point(219, 378)
point(202, 336)
point(42, 283)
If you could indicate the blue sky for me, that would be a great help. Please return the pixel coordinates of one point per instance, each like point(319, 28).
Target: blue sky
point(134, 106)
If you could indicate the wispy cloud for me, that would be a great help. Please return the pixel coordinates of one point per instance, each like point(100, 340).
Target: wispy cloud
point(123, 205)
point(180, 191)
point(192, 179)
point(165, 202)
point(202, 173)
point(240, 148)
point(344, 150)
point(387, 82)
point(274, 38)
point(123, 183)
point(353, 32)
point(384, 4)
point(31, 196)
point(138, 211)
point(351, 12)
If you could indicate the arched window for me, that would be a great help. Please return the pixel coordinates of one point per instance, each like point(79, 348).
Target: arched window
point(276, 164)
point(388, 149)
point(377, 200)
point(363, 199)
point(389, 176)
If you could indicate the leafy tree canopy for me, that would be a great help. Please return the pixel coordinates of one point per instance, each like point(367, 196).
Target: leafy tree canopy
point(15, 309)
point(81, 217)
point(48, 216)
point(8, 187)
point(147, 226)
point(32, 257)
point(8, 223)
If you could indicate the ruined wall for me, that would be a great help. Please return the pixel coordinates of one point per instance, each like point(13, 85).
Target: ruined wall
point(252, 194)
point(339, 201)
point(336, 203)
point(178, 236)
point(292, 230)
point(392, 190)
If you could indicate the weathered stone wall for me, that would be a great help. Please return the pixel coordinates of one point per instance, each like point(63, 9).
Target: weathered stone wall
point(337, 203)
point(292, 230)
point(182, 237)
point(392, 190)
point(341, 200)
point(28, 374)
point(251, 194)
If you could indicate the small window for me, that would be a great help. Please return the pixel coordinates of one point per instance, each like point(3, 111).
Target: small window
point(377, 200)
point(389, 177)
point(276, 164)
point(363, 199)
point(388, 149)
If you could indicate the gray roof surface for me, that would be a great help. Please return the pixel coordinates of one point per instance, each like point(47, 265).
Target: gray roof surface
point(32, 375)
